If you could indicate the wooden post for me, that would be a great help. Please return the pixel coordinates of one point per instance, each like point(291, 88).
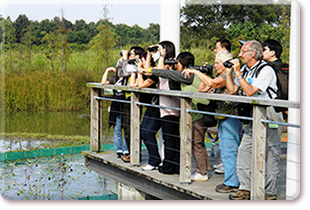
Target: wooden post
point(186, 141)
point(95, 121)
point(258, 154)
point(134, 130)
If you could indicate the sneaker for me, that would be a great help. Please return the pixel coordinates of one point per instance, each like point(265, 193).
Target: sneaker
point(223, 188)
point(220, 170)
point(216, 166)
point(270, 197)
point(199, 177)
point(240, 195)
point(149, 167)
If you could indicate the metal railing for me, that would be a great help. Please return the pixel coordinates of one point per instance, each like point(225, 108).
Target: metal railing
point(259, 127)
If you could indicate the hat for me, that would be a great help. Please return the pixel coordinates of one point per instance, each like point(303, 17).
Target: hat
point(224, 55)
point(242, 42)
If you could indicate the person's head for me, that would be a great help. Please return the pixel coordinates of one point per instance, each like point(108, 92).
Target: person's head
point(136, 52)
point(220, 58)
point(184, 60)
point(168, 49)
point(251, 52)
point(272, 50)
point(222, 44)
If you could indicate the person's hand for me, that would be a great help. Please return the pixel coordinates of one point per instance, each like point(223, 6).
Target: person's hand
point(188, 72)
point(139, 63)
point(235, 67)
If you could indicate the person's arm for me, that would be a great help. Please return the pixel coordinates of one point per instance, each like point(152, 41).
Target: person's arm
point(173, 75)
point(133, 80)
point(104, 79)
point(213, 83)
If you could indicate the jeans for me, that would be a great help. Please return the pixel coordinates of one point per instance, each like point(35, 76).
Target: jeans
point(149, 127)
point(230, 134)
point(119, 143)
point(273, 151)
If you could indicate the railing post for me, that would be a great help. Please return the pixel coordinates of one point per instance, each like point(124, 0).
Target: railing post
point(186, 141)
point(135, 130)
point(258, 154)
point(95, 121)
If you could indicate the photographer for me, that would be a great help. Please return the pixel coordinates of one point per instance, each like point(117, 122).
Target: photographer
point(120, 112)
point(184, 60)
point(150, 122)
point(169, 118)
point(229, 129)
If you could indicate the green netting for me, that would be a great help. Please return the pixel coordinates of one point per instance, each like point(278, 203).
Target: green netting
point(100, 197)
point(2, 156)
point(15, 155)
point(34, 154)
point(48, 152)
point(57, 151)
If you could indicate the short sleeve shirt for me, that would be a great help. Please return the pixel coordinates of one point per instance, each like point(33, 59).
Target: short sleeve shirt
point(266, 78)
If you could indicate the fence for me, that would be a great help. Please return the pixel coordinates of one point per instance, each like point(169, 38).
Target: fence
point(259, 127)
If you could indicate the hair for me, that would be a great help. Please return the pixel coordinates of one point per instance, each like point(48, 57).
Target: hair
point(257, 47)
point(224, 55)
point(225, 43)
point(170, 49)
point(186, 59)
point(138, 50)
point(275, 46)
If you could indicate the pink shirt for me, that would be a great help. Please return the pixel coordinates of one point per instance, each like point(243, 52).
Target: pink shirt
point(169, 101)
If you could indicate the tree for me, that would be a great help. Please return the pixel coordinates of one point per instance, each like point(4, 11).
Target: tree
point(204, 19)
point(50, 53)
point(103, 42)
point(20, 24)
point(8, 37)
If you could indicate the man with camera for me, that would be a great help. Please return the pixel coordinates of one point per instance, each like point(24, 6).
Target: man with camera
point(256, 85)
point(229, 129)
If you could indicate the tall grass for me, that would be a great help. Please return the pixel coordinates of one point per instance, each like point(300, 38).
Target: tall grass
point(35, 87)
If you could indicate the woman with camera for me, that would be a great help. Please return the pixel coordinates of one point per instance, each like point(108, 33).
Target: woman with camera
point(229, 129)
point(150, 122)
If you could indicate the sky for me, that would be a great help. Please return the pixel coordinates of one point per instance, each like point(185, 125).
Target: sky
point(141, 12)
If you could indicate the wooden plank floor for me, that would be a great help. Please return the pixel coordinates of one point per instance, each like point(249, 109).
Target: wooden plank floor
point(199, 189)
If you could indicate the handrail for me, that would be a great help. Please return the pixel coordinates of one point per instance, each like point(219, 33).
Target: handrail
point(184, 94)
point(259, 127)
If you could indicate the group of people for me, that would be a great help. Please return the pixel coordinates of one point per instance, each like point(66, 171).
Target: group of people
point(159, 67)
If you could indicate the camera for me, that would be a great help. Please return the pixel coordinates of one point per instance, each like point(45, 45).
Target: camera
point(152, 49)
point(170, 62)
point(121, 53)
point(228, 64)
point(132, 61)
point(207, 69)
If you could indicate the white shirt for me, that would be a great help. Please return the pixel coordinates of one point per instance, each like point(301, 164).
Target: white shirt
point(266, 78)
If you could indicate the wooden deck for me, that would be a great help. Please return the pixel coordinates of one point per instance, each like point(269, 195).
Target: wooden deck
point(167, 187)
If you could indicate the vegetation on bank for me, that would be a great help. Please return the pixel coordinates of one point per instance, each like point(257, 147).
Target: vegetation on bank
point(45, 65)
point(54, 141)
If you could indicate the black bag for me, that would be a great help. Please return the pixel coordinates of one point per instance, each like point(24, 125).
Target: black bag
point(208, 120)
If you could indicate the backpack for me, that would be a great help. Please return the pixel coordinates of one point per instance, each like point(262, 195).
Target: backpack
point(282, 73)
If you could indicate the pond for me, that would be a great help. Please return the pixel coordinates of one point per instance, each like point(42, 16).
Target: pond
point(62, 177)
